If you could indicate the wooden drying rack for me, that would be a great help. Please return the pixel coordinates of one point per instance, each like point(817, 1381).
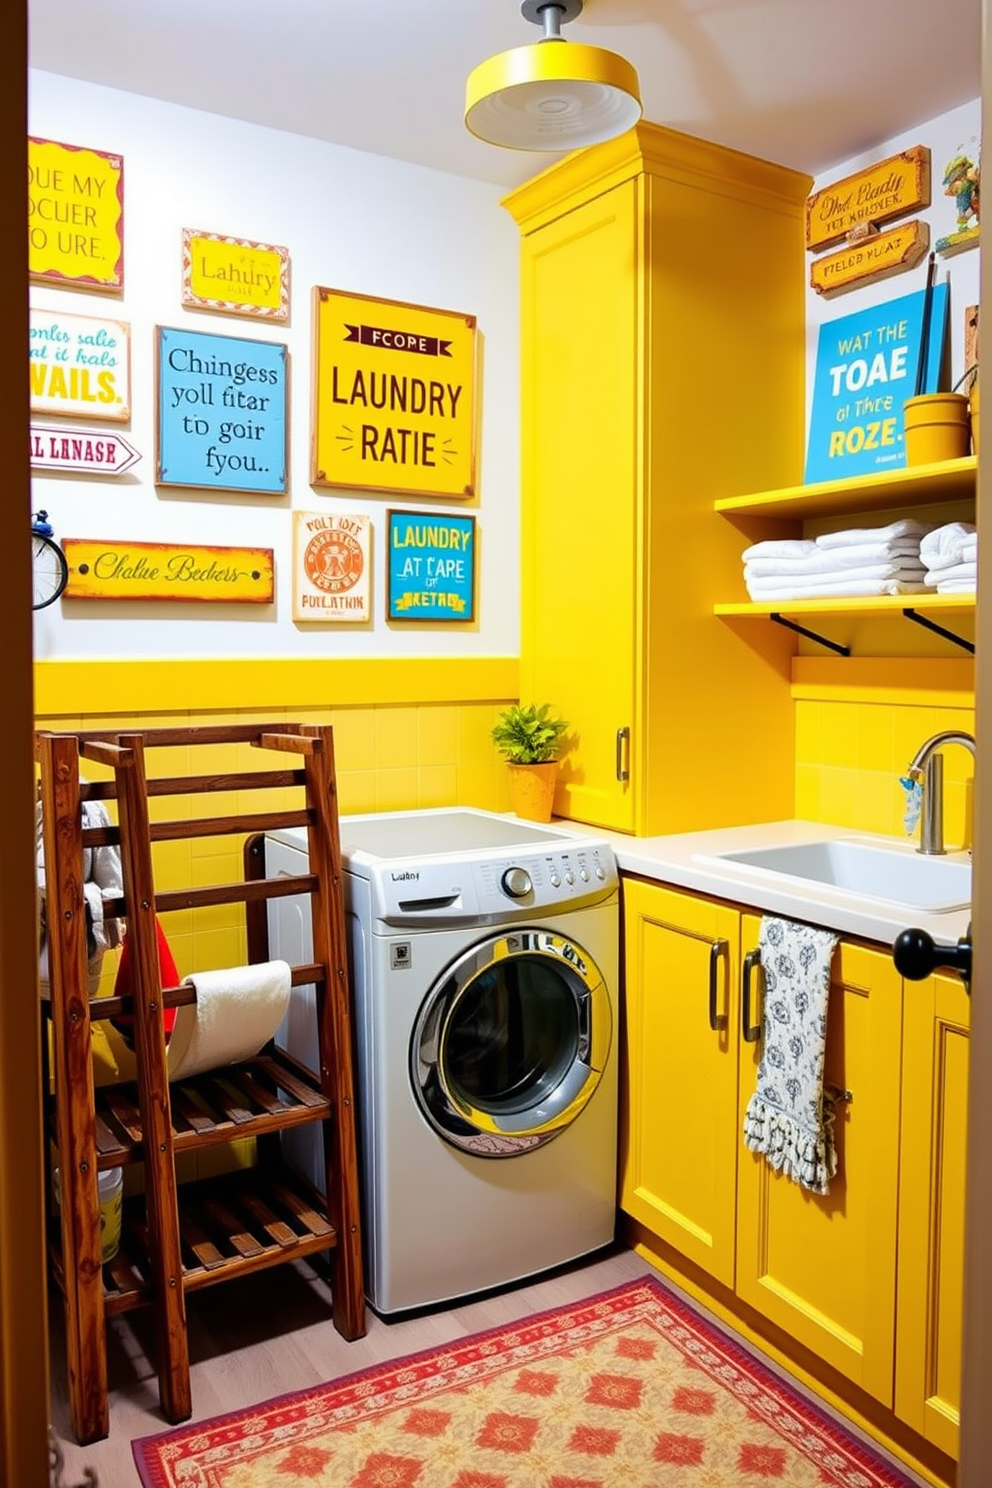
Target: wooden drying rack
point(177, 1238)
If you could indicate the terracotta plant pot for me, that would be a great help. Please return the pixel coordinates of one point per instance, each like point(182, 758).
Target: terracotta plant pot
point(936, 427)
point(532, 790)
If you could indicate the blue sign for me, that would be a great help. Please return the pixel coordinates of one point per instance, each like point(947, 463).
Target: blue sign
point(431, 566)
point(866, 366)
point(221, 412)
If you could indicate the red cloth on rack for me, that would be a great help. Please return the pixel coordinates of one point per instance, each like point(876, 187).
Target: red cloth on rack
point(123, 988)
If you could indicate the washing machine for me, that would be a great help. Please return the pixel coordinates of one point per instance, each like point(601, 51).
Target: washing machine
point(483, 957)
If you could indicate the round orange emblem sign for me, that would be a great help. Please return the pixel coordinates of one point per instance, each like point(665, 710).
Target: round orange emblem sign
point(333, 562)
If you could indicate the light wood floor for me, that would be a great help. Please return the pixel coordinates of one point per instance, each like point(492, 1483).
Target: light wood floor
point(270, 1334)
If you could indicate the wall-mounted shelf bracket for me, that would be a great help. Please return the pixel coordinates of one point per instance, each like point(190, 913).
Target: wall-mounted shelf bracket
point(940, 630)
point(810, 635)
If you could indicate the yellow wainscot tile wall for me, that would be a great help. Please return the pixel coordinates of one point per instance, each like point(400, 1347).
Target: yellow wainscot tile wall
point(859, 721)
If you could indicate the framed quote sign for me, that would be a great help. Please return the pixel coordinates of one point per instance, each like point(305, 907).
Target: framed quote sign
point(393, 396)
point(331, 566)
point(235, 275)
point(79, 365)
point(431, 566)
point(75, 216)
point(221, 405)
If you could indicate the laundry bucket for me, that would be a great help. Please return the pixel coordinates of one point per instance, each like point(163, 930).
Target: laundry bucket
point(936, 427)
point(110, 1187)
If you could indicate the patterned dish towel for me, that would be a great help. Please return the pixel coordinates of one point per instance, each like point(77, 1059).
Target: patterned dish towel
point(790, 1117)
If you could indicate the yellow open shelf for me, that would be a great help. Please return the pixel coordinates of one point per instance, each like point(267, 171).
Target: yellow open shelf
point(915, 485)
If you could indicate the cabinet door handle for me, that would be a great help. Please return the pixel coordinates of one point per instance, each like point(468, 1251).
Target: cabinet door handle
point(751, 1034)
point(719, 948)
point(623, 753)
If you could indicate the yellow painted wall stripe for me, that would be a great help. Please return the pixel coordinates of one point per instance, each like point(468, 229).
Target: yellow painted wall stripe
point(922, 682)
point(243, 683)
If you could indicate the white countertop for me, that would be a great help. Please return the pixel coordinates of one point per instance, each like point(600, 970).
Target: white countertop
point(680, 860)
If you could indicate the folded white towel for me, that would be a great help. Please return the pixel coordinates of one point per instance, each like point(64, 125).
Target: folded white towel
point(835, 560)
point(798, 547)
point(766, 589)
point(953, 573)
point(237, 1011)
point(947, 539)
point(905, 527)
point(964, 550)
point(957, 586)
point(909, 570)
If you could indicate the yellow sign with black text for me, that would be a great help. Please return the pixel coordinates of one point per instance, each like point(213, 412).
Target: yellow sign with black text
point(170, 571)
point(75, 215)
point(892, 188)
point(393, 396)
point(872, 257)
point(235, 275)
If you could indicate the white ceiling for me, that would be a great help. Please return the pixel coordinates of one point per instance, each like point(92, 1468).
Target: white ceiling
point(807, 83)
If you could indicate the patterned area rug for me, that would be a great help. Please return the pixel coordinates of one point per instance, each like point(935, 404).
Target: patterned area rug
point(630, 1389)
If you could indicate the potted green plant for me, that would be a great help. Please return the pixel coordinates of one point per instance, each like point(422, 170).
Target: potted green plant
point(529, 737)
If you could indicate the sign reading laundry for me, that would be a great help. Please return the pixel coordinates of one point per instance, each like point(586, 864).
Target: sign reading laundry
point(75, 215)
point(221, 412)
point(139, 570)
point(79, 366)
point(81, 450)
point(393, 396)
point(431, 566)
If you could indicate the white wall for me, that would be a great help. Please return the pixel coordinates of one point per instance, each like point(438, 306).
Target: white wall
point(956, 132)
point(351, 221)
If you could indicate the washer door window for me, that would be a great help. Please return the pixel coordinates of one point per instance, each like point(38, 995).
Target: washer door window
point(510, 1045)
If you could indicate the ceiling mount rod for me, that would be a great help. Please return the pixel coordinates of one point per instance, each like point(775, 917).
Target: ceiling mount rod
point(940, 630)
point(810, 635)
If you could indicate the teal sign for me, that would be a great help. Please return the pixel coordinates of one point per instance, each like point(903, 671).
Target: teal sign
point(431, 566)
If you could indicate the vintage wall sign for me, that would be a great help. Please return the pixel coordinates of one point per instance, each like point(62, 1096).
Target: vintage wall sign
point(331, 567)
point(873, 256)
point(75, 215)
point(221, 408)
point(81, 450)
point(892, 188)
point(393, 396)
point(80, 366)
point(431, 566)
point(235, 275)
point(143, 571)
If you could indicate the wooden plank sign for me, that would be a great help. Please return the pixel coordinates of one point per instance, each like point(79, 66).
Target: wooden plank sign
point(892, 188)
point(81, 450)
point(874, 256)
point(155, 571)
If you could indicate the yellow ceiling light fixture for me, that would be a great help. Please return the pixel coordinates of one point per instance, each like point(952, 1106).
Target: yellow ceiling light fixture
point(552, 95)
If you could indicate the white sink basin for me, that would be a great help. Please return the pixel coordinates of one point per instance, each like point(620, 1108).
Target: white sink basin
point(893, 875)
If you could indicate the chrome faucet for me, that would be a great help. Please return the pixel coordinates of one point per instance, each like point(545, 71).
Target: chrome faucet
point(927, 766)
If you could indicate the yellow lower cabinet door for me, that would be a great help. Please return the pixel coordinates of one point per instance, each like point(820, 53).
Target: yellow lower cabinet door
point(931, 1209)
point(678, 1147)
point(823, 1268)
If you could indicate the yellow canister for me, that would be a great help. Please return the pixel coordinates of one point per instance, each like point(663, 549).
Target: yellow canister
point(110, 1188)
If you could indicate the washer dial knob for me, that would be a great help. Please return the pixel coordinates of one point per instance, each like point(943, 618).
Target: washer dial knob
point(516, 883)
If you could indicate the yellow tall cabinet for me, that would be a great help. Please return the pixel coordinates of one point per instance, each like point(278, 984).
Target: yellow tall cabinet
point(663, 356)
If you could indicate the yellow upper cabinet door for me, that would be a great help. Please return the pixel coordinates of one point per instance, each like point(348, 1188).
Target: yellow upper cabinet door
point(579, 551)
point(678, 1151)
point(931, 1209)
point(824, 1268)
point(663, 353)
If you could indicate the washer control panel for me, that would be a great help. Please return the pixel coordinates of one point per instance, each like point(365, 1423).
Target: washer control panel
point(517, 883)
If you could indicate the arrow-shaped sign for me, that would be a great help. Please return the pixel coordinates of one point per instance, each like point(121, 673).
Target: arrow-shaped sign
point(95, 453)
